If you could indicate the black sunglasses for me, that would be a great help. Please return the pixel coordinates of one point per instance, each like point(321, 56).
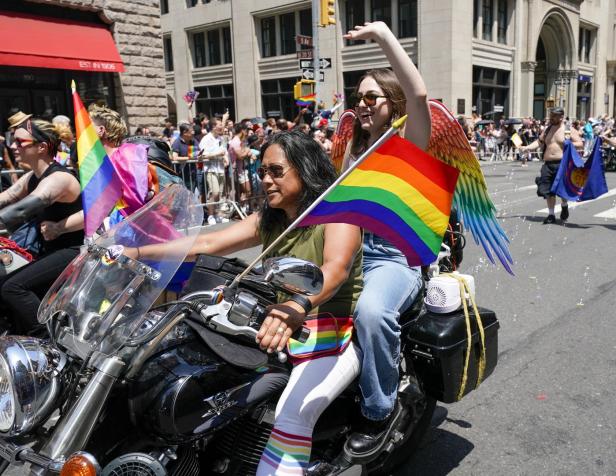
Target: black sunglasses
point(369, 98)
point(275, 171)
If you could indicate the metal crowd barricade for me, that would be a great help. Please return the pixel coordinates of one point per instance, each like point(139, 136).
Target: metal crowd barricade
point(5, 177)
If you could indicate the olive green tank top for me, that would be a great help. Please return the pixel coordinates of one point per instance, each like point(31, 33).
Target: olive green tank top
point(307, 244)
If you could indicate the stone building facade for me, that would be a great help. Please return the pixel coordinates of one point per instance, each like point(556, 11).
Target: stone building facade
point(510, 57)
point(138, 92)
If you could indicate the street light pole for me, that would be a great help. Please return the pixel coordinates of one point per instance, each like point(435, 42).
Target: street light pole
point(315, 48)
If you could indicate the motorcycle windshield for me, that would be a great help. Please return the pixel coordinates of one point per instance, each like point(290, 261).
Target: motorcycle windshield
point(103, 296)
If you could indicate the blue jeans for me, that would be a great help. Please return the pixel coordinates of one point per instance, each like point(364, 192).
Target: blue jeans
point(390, 287)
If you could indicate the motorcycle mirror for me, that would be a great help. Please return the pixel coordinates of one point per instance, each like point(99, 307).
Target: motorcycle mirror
point(293, 275)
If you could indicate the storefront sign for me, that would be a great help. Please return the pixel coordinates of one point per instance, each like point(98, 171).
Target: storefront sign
point(96, 65)
point(584, 78)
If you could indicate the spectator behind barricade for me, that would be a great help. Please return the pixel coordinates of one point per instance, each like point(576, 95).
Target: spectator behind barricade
point(6, 164)
point(238, 155)
point(321, 138)
point(254, 143)
point(184, 148)
point(282, 125)
point(305, 128)
point(214, 153)
point(271, 127)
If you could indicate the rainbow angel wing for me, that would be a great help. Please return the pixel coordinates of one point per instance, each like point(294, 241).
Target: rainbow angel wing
point(344, 133)
point(449, 144)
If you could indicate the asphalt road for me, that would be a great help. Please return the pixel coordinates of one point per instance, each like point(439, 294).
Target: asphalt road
point(549, 408)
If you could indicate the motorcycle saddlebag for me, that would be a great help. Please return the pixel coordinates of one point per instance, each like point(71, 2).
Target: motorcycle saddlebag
point(437, 344)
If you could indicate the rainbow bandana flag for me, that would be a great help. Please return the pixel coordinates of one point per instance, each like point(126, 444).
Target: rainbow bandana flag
point(100, 185)
point(399, 193)
point(306, 100)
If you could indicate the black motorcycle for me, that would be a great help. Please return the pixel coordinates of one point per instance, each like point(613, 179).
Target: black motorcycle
point(608, 154)
point(128, 386)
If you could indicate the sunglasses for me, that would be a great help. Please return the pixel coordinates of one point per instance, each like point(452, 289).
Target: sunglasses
point(275, 171)
point(21, 143)
point(369, 98)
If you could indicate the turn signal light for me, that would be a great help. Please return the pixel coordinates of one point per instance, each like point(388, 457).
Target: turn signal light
point(80, 464)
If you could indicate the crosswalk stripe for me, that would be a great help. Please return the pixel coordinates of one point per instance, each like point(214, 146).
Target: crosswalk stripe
point(610, 193)
point(611, 213)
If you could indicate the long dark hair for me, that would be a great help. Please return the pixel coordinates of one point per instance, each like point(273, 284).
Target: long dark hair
point(313, 167)
point(388, 82)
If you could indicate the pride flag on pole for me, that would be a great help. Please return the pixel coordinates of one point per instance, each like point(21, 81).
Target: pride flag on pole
point(306, 100)
point(399, 193)
point(100, 185)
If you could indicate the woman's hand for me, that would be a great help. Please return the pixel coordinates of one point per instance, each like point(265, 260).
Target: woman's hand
point(376, 31)
point(281, 322)
point(50, 230)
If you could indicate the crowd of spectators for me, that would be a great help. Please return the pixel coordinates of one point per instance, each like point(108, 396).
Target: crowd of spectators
point(502, 139)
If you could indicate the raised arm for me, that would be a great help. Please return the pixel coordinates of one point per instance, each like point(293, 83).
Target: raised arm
point(418, 127)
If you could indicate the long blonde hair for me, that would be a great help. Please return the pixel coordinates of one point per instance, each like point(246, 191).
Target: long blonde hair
point(388, 82)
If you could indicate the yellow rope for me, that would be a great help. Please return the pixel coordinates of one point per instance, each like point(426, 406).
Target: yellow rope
point(464, 289)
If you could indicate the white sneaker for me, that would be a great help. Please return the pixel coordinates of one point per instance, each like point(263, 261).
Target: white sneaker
point(211, 220)
point(223, 220)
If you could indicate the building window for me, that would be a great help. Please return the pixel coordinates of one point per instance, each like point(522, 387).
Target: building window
point(214, 100)
point(476, 7)
point(268, 37)
point(199, 49)
point(585, 45)
point(191, 3)
point(407, 18)
point(287, 33)
point(487, 20)
point(351, 80)
point(168, 52)
point(213, 46)
point(277, 98)
point(305, 25)
point(490, 88)
point(381, 11)
point(502, 21)
point(226, 45)
point(354, 15)
point(584, 94)
point(164, 6)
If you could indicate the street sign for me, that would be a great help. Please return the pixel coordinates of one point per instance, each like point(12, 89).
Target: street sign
point(303, 64)
point(498, 108)
point(308, 73)
point(325, 63)
point(304, 54)
point(303, 40)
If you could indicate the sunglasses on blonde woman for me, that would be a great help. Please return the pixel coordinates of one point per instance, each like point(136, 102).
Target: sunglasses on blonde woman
point(275, 171)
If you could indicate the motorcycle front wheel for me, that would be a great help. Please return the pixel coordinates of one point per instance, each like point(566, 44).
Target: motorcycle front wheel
point(414, 432)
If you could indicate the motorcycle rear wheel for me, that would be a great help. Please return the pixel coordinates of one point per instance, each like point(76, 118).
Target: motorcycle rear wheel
point(385, 465)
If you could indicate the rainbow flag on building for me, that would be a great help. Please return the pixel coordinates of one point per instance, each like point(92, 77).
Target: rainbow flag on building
point(306, 100)
point(100, 185)
point(399, 193)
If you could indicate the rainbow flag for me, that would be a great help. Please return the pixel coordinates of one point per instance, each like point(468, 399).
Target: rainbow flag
point(100, 185)
point(306, 100)
point(399, 193)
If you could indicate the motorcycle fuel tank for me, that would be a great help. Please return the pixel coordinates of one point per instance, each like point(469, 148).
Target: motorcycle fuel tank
point(187, 391)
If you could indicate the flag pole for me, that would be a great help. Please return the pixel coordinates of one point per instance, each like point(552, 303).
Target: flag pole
point(390, 132)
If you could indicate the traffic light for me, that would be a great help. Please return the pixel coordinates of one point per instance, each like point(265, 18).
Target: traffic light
point(328, 12)
point(303, 88)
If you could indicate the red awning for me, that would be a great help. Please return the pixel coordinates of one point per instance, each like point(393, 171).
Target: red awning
point(43, 42)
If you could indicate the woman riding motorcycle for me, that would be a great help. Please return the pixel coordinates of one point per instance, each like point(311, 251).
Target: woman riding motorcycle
point(49, 193)
point(390, 285)
point(295, 171)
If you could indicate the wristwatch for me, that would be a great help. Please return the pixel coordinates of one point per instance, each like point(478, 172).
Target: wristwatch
point(302, 301)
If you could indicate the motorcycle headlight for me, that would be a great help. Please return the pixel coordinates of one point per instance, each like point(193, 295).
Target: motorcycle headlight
point(29, 382)
point(7, 401)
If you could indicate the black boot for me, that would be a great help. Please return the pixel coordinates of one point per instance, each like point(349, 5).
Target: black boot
point(371, 434)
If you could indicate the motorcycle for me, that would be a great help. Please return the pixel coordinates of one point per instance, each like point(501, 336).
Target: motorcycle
point(128, 385)
point(609, 158)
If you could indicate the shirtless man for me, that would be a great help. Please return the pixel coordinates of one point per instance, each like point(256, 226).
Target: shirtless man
point(552, 139)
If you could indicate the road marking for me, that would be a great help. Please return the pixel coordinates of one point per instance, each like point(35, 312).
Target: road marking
point(611, 213)
point(577, 204)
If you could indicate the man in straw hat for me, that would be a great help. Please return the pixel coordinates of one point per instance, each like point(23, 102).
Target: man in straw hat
point(18, 118)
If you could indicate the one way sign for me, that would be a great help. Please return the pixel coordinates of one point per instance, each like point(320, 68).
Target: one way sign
point(308, 73)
